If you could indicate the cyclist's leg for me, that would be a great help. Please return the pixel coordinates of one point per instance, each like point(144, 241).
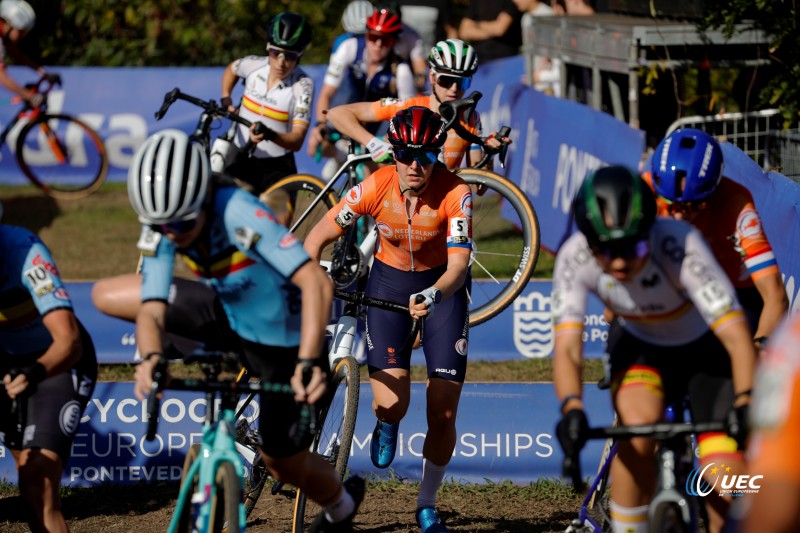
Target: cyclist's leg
point(710, 397)
point(638, 395)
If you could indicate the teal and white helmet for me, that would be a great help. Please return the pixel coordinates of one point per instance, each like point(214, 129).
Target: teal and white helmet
point(454, 57)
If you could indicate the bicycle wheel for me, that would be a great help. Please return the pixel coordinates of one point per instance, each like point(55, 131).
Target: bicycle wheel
point(62, 155)
point(186, 522)
point(225, 499)
point(505, 243)
point(303, 189)
point(334, 437)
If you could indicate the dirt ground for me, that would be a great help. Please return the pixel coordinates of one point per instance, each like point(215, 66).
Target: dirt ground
point(388, 507)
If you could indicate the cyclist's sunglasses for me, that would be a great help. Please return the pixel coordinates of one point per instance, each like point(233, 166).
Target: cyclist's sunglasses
point(386, 38)
point(176, 228)
point(288, 55)
point(445, 82)
point(626, 249)
point(684, 208)
point(423, 157)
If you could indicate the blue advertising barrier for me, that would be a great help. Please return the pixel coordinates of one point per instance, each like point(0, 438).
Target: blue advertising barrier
point(523, 330)
point(519, 445)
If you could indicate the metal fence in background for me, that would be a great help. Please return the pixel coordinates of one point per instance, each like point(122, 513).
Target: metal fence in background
point(759, 134)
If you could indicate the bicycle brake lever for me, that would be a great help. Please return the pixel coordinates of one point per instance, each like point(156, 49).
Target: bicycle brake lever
point(169, 99)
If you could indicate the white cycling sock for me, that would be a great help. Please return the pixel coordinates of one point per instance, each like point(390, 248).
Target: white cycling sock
point(341, 508)
point(432, 476)
point(629, 519)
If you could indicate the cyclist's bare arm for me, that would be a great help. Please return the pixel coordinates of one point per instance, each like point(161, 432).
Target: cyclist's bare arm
point(228, 82)
point(347, 119)
point(149, 332)
point(737, 340)
point(317, 295)
point(567, 364)
point(776, 304)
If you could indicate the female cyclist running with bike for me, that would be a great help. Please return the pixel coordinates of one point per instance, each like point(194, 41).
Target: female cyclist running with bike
point(423, 213)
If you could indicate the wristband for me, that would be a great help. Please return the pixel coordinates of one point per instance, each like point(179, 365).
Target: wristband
point(567, 399)
point(151, 355)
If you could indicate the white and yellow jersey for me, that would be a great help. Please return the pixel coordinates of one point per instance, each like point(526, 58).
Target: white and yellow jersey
point(679, 294)
point(287, 105)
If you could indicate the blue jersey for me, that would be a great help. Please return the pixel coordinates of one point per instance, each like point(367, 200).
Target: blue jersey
point(30, 287)
point(247, 257)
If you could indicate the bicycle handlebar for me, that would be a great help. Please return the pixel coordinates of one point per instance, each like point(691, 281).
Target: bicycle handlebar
point(661, 431)
point(210, 106)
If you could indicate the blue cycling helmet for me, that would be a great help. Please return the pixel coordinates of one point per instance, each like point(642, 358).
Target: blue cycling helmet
point(686, 166)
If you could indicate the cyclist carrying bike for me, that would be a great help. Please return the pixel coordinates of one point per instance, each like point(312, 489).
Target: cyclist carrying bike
point(424, 217)
point(687, 174)
point(363, 68)
point(277, 93)
point(260, 296)
point(682, 332)
point(49, 369)
point(17, 18)
point(452, 64)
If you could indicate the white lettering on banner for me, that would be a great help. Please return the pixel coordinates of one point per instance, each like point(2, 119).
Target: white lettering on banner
point(127, 131)
point(533, 325)
point(531, 179)
point(572, 168)
point(471, 445)
point(125, 473)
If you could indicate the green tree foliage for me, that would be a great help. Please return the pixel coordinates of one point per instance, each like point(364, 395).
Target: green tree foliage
point(778, 20)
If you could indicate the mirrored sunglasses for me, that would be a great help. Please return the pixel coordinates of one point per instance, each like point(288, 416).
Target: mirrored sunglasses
point(386, 39)
point(626, 249)
point(177, 228)
point(288, 55)
point(423, 157)
point(445, 82)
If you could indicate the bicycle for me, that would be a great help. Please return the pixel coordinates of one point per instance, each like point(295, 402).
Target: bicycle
point(671, 508)
point(210, 496)
point(504, 246)
point(59, 153)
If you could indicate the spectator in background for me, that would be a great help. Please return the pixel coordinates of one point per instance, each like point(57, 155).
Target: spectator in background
point(493, 27)
point(545, 74)
point(431, 20)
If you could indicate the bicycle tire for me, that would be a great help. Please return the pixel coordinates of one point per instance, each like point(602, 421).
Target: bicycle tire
point(73, 168)
point(185, 524)
point(303, 189)
point(509, 257)
point(334, 438)
point(667, 518)
point(225, 499)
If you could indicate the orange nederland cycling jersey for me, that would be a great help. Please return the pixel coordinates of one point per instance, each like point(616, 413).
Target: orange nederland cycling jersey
point(731, 226)
point(775, 410)
point(454, 147)
point(440, 225)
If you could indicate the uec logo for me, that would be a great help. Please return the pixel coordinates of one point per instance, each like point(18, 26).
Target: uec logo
point(698, 484)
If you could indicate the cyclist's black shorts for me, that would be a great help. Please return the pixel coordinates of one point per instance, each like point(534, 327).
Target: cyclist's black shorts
point(54, 411)
point(700, 370)
point(196, 313)
point(446, 333)
point(261, 173)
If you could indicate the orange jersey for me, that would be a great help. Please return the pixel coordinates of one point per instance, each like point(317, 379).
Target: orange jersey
point(454, 147)
point(440, 225)
point(731, 226)
point(775, 409)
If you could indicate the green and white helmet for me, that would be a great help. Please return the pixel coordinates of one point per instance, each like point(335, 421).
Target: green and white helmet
point(455, 57)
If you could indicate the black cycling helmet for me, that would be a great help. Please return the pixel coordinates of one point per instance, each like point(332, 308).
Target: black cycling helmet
point(289, 31)
point(614, 206)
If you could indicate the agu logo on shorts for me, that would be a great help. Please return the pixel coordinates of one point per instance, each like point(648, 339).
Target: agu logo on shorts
point(701, 482)
point(70, 417)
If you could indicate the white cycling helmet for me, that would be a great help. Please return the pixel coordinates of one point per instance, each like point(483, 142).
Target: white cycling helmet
point(455, 57)
point(18, 13)
point(354, 18)
point(168, 179)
